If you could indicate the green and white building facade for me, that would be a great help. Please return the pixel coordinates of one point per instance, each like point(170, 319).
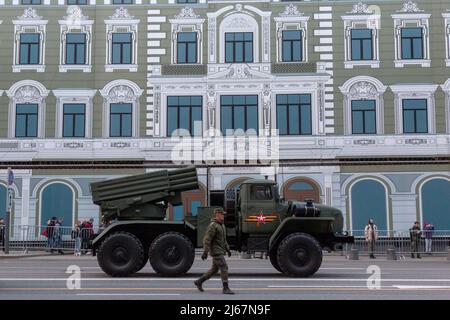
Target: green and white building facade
point(358, 91)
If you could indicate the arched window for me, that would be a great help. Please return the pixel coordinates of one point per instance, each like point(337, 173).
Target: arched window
point(436, 203)
point(121, 109)
point(368, 200)
point(26, 109)
point(57, 200)
point(236, 183)
point(301, 190)
point(363, 105)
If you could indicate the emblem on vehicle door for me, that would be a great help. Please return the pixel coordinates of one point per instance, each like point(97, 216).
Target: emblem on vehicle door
point(261, 218)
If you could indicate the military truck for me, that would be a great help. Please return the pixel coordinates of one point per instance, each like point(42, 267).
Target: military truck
point(293, 234)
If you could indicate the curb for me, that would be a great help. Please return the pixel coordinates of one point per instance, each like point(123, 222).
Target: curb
point(15, 256)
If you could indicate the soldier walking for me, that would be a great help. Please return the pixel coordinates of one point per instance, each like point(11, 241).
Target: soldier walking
point(415, 234)
point(215, 243)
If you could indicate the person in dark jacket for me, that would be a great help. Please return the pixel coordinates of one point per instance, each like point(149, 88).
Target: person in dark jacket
point(215, 244)
point(415, 234)
point(428, 233)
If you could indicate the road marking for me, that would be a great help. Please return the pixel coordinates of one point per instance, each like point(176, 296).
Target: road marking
point(271, 289)
point(420, 287)
point(128, 294)
point(235, 279)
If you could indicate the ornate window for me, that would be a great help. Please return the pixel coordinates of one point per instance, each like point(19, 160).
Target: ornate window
point(446, 17)
point(187, 34)
point(361, 32)
point(239, 18)
point(239, 113)
point(27, 109)
point(29, 42)
point(76, 41)
point(74, 108)
point(412, 36)
point(121, 35)
point(292, 31)
point(362, 95)
point(414, 108)
point(184, 115)
point(121, 109)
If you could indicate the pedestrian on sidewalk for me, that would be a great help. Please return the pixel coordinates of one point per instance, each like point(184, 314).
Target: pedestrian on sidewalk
point(415, 235)
point(76, 235)
point(57, 236)
point(428, 231)
point(215, 244)
point(50, 234)
point(371, 236)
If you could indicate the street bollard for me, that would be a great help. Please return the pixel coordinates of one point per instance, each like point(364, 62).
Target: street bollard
point(448, 253)
point(246, 255)
point(354, 254)
point(391, 254)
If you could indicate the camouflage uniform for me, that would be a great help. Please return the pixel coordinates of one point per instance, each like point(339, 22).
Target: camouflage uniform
point(215, 243)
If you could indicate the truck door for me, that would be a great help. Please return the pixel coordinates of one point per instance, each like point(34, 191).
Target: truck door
point(260, 215)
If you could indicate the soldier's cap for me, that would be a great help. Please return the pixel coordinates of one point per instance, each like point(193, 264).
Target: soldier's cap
point(221, 210)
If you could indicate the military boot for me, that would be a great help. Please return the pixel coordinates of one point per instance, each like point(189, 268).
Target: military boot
point(198, 283)
point(226, 289)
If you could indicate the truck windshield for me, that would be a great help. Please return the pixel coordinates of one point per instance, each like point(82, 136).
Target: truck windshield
point(261, 193)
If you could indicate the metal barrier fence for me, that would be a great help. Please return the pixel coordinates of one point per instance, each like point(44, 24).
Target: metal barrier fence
point(401, 241)
point(48, 238)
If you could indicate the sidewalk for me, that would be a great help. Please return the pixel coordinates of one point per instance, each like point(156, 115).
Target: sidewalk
point(21, 254)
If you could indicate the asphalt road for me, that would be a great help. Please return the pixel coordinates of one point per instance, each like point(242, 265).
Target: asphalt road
point(48, 278)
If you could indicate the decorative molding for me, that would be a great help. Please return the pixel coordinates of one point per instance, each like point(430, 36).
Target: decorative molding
point(74, 14)
point(121, 14)
point(121, 91)
point(361, 8)
point(187, 13)
point(27, 91)
point(291, 10)
point(363, 88)
point(410, 7)
point(75, 20)
point(29, 14)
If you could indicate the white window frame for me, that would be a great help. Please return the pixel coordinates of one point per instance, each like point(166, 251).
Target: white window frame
point(446, 17)
point(291, 19)
point(121, 91)
point(121, 21)
point(239, 22)
point(22, 92)
point(363, 88)
point(361, 17)
point(187, 21)
point(414, 91)
point(77, 96)
point(446, 88)
point(75, 22)
point(29, 22)
point(411, 16)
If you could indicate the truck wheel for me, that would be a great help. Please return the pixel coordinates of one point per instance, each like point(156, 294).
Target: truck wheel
point(171, 254)
point(121, 254)
point(274, 261)
point(299, 255)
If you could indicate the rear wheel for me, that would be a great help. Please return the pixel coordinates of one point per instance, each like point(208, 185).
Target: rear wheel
point(299, 255)
point(171, 254)
point(121, 254)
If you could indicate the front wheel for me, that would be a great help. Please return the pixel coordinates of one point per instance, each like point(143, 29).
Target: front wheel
point(171, 254)
point(299, 255)
point(121, 254)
